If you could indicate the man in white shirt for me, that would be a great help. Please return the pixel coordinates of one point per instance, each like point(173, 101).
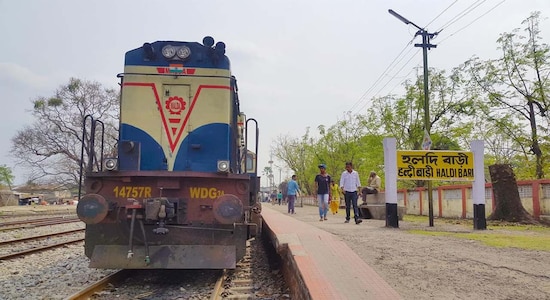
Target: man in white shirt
point(350, 184)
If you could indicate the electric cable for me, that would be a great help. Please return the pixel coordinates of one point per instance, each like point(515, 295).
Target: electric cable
point(473, 21)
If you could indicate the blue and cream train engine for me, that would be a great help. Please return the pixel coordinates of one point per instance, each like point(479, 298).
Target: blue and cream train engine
point(181, 192)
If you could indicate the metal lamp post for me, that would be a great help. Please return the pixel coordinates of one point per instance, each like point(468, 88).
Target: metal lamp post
point(425, 47)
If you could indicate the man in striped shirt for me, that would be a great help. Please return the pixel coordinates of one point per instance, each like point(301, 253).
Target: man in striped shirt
point(350, 184)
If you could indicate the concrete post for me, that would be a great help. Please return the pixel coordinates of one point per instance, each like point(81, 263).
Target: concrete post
point(390, 170)
point(478, 186)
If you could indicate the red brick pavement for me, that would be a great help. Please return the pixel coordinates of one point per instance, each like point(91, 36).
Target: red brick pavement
point(330, 269)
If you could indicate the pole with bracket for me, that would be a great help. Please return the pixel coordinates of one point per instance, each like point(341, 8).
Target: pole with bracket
point(426, 36)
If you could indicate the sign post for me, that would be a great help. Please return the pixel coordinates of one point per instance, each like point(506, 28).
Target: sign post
point(478, 186)
point(390, 168)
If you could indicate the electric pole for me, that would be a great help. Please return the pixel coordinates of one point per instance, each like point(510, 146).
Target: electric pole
point(426, 36)
point(270, 176)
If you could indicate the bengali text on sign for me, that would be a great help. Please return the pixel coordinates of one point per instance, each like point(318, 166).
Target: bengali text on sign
point(435, 165)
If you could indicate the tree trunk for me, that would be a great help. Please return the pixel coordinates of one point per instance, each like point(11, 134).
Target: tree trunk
point(508, 203)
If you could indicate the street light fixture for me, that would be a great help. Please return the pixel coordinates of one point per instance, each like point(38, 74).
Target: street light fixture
point(425, 47)
point(402, 19)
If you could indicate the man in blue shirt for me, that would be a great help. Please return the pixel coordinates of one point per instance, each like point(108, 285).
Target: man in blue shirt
point(292, 191)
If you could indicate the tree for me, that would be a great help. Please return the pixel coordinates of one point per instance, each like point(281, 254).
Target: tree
point(50, 148)
point(350, 139)
point(6, 176)
point(508, 203)
point(514, 89)
point(296, 154)
point(353, 138)
point(268, 172)
point(402, 117)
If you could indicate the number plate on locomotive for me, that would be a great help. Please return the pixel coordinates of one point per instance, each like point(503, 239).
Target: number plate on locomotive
point(132, 191)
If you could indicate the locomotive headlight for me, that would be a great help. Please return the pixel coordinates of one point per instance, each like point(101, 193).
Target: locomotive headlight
point(223, 166)
point(110, 164)
point(183, 52)
point(168, 51)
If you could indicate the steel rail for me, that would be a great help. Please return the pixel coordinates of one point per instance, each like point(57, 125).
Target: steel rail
point(21, 253)
point(36, 237)
point(99, 285)
point(32, 225)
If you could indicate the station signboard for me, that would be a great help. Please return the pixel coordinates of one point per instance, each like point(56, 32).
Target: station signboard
point(435, 165)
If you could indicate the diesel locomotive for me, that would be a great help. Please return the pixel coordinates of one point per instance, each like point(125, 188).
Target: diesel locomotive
point(179, 191)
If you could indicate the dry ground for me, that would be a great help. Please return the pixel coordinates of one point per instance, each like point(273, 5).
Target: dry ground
point(420, 266)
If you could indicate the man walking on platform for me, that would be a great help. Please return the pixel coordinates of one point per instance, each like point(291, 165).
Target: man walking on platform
point(349, 182)
point(322, 186)
point(292, 191)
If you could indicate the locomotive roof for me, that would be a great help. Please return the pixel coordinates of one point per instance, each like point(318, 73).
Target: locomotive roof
point(201, 56)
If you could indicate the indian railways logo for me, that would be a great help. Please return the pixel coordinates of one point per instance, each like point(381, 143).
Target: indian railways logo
point(173, 119)
point(176, 69)
point(175, 105)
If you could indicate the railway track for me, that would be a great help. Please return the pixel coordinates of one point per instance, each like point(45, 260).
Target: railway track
point(38, 249)
point(36, 223)
point(33, 220)
point(240, 283)
point(18, 253)
point(100, 285)
point(38, 237)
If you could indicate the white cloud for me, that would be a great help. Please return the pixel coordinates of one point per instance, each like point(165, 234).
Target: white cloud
point(299, 63)
point(14, 74)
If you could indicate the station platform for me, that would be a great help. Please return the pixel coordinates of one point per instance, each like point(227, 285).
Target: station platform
point(318, 264)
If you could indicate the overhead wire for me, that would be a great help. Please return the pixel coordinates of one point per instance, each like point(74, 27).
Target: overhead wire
point(473, 21)
point(395, 61)
point(462, 14)
point(392, 65)
point(388, 82)
point(441, 13)
point(381, 76)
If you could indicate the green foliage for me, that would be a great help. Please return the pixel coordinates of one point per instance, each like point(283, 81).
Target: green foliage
point(6, 176)
point(501, 101)
point(39, 104)
point(512, 94)
point(350, 139)
point(74, 85)
point(55, 102)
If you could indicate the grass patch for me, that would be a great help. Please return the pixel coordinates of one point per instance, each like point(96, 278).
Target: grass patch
point(498, 234)
point(498, 240)
point(495, 225)
point(426, 219)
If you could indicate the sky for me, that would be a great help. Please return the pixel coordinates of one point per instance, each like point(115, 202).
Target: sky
point(299, 64)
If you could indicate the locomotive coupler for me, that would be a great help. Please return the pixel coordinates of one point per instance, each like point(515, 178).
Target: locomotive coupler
point(159, 209)
point(161, 229)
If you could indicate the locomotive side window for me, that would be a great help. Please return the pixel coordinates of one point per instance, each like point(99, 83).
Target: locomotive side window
point(250, 163)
